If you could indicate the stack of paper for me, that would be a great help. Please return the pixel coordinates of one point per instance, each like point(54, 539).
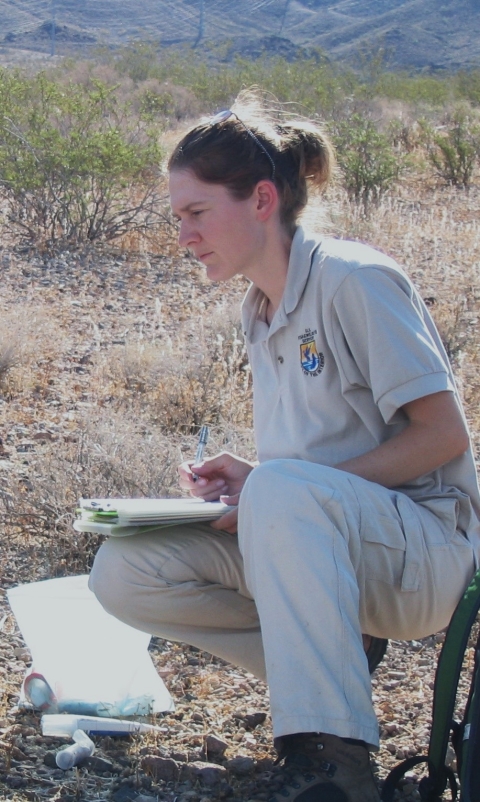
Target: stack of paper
point(130, 516)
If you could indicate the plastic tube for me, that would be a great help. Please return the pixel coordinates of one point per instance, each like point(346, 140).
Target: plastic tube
point(64, 725)
point(82, 749)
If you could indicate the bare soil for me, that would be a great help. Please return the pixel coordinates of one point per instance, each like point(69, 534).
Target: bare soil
point(77, 317)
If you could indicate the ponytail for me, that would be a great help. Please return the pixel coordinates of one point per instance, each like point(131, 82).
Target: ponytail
point(238, 151)
point(306, 162)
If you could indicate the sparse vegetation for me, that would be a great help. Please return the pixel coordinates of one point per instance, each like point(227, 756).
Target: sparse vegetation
point(74, 166)
point(80, 151)
point(112, 354)
point(370, 164)
point(454, 148)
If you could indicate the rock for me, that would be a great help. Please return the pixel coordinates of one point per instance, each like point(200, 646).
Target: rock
point(125, 794)
point(389, 686)
point(98, 764)
point(17, 754)
point(49, 760)
point(214, 746)
point(162, 768)
point(240, 765)
point(396, 674)
point(390, 727)
point(207, 773)
point(252, 720)
point(22, 654)
point(265, 764)
point(180, 757)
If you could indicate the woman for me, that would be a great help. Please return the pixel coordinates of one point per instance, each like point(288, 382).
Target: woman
point(363, 512)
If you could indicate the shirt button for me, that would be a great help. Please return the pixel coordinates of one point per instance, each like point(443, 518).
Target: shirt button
point(280, 359)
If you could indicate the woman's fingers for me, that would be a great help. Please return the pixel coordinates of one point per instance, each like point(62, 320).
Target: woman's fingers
point(232, 501)
point(201, 487)
point(214, 477)
point(209, 495)
point(228, 522)
point(186, 477)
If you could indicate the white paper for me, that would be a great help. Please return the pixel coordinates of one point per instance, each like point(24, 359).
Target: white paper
point(82, 651)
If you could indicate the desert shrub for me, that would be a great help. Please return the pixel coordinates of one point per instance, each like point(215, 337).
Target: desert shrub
point(138, 60)
point(213, 77)
point(418, 90)
point(369, 163)
point(467, 85)
point(72, 165)
point(313, 83)
point(454, 148)
point(164, 102)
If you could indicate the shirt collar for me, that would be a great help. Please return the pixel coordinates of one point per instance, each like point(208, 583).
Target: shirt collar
point(303, 248)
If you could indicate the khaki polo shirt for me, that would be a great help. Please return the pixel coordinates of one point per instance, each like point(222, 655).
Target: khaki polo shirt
point(349, 345)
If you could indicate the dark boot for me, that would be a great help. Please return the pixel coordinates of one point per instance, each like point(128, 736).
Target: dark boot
point(375, 649)
point(324, 768)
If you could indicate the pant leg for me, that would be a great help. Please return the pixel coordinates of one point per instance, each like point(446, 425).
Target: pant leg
point(182, 583)
point(327, 555)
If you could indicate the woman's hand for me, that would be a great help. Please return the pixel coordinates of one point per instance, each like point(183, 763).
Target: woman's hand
point(229, 521)
point(221, 477)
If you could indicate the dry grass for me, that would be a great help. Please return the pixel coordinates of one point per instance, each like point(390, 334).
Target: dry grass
point(30, 341)
point(157, 350)
point(110, 361)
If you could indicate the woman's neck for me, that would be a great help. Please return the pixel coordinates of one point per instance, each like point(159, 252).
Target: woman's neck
point(270, 272)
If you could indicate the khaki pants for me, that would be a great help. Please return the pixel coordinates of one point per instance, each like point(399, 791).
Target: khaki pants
point(326, 556)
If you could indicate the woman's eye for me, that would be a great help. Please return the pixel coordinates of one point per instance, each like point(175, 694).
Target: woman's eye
point(197, 212)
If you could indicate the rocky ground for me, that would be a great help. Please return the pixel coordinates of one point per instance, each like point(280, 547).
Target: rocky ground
point(72, 315)
point(216, 745)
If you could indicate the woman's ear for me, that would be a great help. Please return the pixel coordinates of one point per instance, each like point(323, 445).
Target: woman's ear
point(267, 200)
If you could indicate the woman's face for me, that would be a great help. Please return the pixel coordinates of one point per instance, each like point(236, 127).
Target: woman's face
point(222, 232)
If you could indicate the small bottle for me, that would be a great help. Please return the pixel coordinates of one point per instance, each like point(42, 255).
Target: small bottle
point(82, 749)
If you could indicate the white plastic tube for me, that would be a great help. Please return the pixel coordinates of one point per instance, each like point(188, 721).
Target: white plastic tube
point(82, 749)
point(64, 725)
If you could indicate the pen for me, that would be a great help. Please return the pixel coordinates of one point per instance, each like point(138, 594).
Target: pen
point(202, 442)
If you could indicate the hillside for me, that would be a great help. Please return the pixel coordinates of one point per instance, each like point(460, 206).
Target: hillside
point(416, 33)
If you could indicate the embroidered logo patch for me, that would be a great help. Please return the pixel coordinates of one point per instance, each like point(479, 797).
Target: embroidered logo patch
point(311, 360)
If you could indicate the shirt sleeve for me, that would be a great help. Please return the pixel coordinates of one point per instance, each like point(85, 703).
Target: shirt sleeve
point(384, 339)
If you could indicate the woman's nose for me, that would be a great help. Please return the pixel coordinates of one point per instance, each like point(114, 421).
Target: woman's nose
point(187, 234)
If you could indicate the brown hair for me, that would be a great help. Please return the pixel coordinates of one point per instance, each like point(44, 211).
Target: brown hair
point(227, 153)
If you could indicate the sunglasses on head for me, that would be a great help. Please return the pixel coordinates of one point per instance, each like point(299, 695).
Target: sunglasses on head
point(225, 115)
